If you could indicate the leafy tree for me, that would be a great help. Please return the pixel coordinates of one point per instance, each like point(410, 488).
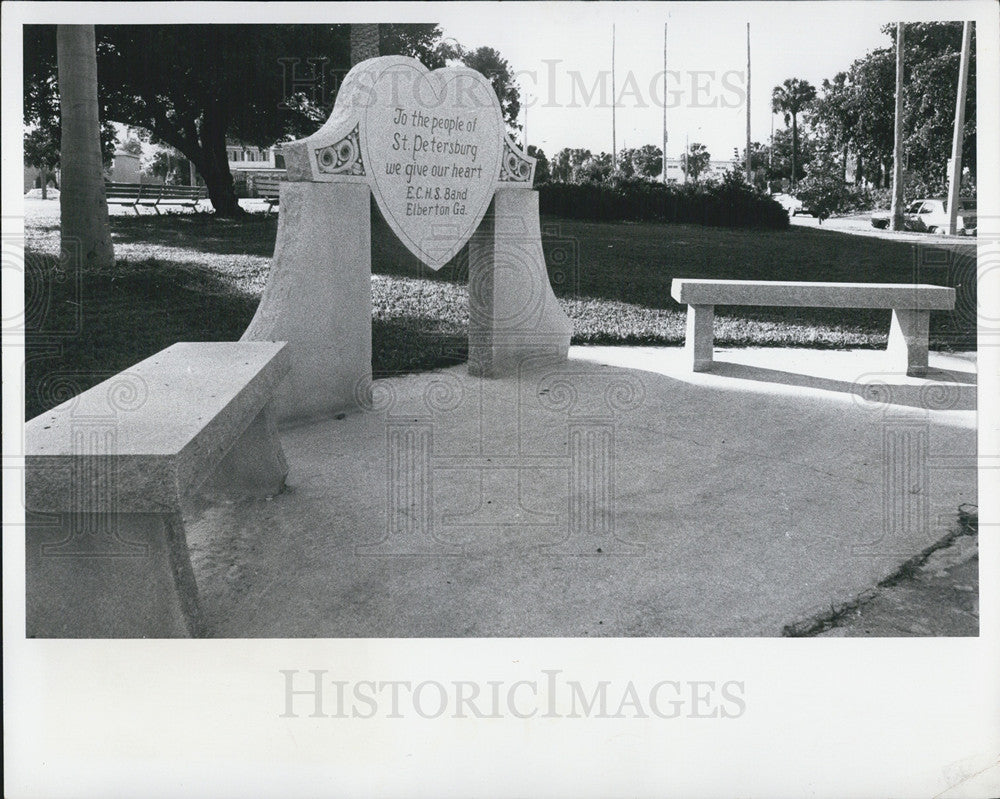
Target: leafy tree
point(823, 190)
point(626, 168)
point(790, 99)
point(759, 164)
point(874, 82)
point(834, 115)
point(41, 151)
point(933, 52)
point(132, 145)
point(566, 164)
point(494, 67)
point(41, 139)
point(697, 161)
point(542, 174)
point(195, 86)
point(83, 206)
point(648, 161)
point(170, 166)
point(855, 112)
point(780, 155)
point(644, 162)
point(596, 169)
point(422, 42)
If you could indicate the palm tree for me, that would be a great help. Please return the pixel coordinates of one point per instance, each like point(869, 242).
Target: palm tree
point(83, 206)
point(790, 99)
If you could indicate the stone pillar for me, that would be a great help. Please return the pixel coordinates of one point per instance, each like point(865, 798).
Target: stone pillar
point(908, 341)
point(513, 312)
point(318, 297)
point(699, 340)
point(142, 586)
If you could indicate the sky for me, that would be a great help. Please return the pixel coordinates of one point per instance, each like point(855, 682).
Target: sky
point(559, 52)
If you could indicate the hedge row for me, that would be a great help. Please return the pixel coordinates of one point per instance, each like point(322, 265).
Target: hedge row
point(728, 204)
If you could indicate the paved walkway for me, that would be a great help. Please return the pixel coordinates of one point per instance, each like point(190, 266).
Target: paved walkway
point(861, 225)
point(618, 494)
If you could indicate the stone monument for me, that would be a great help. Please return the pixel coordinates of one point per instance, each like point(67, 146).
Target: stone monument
point(432, 150)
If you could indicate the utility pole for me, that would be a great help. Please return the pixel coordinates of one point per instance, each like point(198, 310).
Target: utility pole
point(955, 178)
point(526, 126)
point(770, 156)
point(614, 104)
point(687, 147)
point(897, 151)
point(664, 103)
point(749, 174)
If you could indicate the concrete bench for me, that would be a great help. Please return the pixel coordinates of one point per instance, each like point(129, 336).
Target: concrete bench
point(153, 195)
point(911, 305)
point(269, 190)
point(109, 472)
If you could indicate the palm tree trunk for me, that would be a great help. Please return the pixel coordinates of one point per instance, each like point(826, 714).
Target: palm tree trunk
point(364, 42)
point(896, 222)
point(83, 205)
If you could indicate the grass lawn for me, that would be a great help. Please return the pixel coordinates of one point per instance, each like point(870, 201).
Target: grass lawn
point(191, 277)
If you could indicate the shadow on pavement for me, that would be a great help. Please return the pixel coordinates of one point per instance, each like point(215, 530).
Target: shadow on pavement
point(951, 390)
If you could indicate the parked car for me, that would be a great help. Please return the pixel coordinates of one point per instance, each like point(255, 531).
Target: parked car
point(793, 205)
point(931, 216)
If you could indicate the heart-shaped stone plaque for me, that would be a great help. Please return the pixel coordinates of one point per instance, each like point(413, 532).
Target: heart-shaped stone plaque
point(431, 143)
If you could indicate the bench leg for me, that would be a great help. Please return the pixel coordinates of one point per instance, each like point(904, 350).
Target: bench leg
point(256, 464)
point(908, 341)
point(699, 338)
point(109, 575)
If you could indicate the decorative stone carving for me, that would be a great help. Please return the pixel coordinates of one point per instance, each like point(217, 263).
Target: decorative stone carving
point(342, 158)
point(431, 146)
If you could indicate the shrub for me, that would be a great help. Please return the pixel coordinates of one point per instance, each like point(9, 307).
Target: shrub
point(730, 203)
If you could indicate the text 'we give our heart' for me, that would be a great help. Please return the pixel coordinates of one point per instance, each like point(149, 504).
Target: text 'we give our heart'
point(432, 144)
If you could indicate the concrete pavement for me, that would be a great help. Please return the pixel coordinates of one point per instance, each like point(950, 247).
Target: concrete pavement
point(618, 494)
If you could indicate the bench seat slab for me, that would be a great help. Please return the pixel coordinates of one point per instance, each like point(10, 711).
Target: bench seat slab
point(808, 294)
point(110, 471)
point(911, 305)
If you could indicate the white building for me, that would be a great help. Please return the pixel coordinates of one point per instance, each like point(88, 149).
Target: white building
point(715, 170)
point(254, 159)
point(249, 163)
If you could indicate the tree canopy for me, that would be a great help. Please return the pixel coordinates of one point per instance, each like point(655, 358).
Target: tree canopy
point(195, 87)
point(854, 111)
point(697, 161)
